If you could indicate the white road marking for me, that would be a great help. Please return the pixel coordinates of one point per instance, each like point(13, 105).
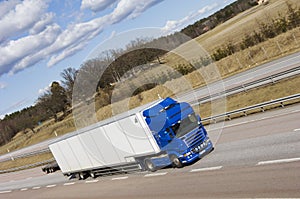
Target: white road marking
point(207, 169)
point(24, 189)
point(255, 120)
point(9, 191)
point(120, 178)
point(155, 174)
point(296, 129)
point(278, 161)
point(34, 188)
point(91, 181)
point(69, 183)
point(50, 186)
point(28, 178)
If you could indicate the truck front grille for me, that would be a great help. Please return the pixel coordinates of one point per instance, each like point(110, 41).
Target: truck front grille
point(195, 138)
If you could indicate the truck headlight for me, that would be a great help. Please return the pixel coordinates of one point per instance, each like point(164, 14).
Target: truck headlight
point(187, 154)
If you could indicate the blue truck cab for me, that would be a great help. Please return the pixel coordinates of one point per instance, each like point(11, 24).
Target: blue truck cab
point(178, 132)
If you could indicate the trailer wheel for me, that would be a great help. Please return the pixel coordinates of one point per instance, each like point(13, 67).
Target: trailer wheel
point(92, 174)
point(149, 165)
point(81, 176)
point(175, 161)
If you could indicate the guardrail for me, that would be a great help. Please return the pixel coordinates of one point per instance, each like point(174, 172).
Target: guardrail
point(27, 166)
point(270, 79)
point(25, 155)
point(260, 106)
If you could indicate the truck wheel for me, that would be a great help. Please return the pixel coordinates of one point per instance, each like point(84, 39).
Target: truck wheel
point(81, 176)
point(175, 161)
point(149, 165)
point(92, 174)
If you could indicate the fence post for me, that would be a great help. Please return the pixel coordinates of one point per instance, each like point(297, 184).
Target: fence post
point(266, 55)
point(295, 39)
point(279, 47)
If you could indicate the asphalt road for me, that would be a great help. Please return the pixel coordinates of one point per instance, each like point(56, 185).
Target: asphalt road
point(256, 73)
point(247, 76)
point(254, 156)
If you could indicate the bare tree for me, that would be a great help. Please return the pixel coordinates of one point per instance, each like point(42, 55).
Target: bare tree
point(69, 76)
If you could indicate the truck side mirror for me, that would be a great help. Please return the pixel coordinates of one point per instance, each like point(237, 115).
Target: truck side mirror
point(198, 119)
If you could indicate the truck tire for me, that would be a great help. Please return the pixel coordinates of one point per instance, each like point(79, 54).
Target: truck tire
point(81, 176)
point(149, 165)
point(92, 174)
point(175, 161)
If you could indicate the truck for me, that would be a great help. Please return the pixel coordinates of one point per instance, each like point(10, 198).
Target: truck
point(160, 134)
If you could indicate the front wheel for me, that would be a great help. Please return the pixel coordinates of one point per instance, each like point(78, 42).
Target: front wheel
point(149, 165)
point(175, 161)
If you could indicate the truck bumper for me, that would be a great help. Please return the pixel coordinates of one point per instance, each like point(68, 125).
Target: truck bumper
point(199, 154)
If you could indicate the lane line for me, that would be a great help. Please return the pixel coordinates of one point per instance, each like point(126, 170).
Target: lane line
point(8, 191)
point(207, 169)
point(155, 174)
point(50, 186)
point(69, 183)
point(278, 161)
point(120, 178)
point(255, 120)
point(296, 129)
point(34, 188)
point(91, 181)
point(24, 189)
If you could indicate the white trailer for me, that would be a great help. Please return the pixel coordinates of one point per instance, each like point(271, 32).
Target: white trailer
point(114, 143)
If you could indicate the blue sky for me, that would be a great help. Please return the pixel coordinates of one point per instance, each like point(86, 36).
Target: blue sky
point(40, 38)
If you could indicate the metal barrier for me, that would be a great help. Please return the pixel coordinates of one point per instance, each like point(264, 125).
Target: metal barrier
point(270, 79)
point(27, 166)
point(256, 106)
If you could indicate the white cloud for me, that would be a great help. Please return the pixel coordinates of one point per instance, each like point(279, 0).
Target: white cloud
point(44, 90)
point(6, 6)
point(172, 26)
point(131, 9)
point(56, 44)
point(96, 5)
point(76, 37)
point(47, 88)
point(21, 17)
point(2, 85)
point(45, 20)
point(15, 54)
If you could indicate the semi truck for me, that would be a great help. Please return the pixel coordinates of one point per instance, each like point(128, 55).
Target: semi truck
point(153, 136)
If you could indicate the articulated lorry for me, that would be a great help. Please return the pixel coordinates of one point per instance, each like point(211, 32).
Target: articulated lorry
point(160, 134)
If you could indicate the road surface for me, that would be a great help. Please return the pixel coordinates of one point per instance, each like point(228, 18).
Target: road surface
point(254, 156)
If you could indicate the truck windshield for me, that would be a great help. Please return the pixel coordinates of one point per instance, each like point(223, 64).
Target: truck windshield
point(185, 125)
